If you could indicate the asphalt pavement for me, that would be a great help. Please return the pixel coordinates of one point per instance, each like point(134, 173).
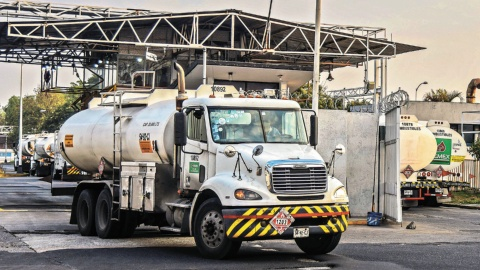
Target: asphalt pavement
point(35, 234)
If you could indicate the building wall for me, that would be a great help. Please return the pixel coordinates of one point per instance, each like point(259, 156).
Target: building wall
point(356, 168)
point(449, 111)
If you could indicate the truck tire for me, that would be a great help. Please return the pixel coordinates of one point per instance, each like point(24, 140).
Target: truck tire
point(209, 232)
point(106, 227)
point(86, 212)
point(316, 245)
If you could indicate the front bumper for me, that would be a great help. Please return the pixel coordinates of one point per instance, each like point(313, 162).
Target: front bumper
point(253, 223)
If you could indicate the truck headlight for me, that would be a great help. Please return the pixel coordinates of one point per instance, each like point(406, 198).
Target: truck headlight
point(340, 193)
point(268, 179)
point(245, 194)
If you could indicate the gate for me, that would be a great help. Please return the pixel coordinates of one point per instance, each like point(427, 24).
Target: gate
point(393, 203)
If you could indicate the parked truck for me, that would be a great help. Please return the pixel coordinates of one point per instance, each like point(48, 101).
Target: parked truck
point(431, 184)
point(43, 156)
point(27, 148)
point(203, 163)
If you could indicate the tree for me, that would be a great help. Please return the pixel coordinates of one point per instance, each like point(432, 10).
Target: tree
point(42, 112)
point(2, 117)
point(441, 95)
point(474, 150)
point(303, 96)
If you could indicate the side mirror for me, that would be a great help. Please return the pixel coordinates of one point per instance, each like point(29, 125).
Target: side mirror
point(313, 130)
point(229, 151)
point(180, 129)
point(258, 150)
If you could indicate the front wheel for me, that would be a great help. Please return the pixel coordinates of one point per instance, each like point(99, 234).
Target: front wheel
point(209, 232)
point(316, 245)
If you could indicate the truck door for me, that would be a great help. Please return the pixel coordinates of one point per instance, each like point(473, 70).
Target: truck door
point(195, 153)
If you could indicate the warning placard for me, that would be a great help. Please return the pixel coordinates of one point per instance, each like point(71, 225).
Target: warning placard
point(281, 221)
point(146, 146)
point(68, 141)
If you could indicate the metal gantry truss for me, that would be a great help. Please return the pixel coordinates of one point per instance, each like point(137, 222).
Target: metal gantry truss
point(57, 11)
point(255, 37)
point(80, 36)
point(365, 97)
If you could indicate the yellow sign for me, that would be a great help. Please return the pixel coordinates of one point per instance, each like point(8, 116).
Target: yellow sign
point(457, 158)
point(68, 142)
point(146, 146)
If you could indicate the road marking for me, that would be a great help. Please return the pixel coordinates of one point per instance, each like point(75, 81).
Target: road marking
point(314, 268)
point(33, 210)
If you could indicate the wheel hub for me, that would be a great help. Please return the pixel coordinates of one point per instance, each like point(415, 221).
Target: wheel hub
point(213, 232)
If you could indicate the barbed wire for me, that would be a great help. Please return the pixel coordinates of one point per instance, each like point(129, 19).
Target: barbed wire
point(396, 99)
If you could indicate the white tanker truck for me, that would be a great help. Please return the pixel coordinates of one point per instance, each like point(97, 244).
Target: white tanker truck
point(44, 153)
point(27, 147)
point(428, 154)
point(223, 169)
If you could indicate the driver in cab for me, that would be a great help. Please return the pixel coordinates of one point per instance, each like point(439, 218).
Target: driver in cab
point(269, 130)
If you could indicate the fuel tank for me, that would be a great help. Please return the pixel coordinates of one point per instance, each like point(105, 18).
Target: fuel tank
point(144, 132)
point(451, 147)
point(44, 146)
point(417, 147)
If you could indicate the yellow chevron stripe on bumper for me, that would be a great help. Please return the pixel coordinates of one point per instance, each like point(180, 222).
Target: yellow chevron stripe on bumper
point(253, 223)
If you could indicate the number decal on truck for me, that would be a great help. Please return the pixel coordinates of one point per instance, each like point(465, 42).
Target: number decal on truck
point(145, 143)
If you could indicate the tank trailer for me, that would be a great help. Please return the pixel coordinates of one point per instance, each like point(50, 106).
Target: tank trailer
point(428, 155)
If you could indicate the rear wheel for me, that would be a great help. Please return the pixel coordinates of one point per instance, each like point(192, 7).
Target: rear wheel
point(210, 234)
point(316, 245)
point(86, 212)
point(106, 227)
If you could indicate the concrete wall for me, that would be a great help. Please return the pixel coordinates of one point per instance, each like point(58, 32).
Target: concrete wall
point(449, 111)
point(356, 168)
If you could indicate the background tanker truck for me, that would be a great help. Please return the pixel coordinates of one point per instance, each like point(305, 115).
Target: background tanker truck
point(43, 156)
point(195, 163)
point(27, 147)
point(432, 183)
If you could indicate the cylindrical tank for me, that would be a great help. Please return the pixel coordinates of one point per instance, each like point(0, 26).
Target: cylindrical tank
point(451, 148)
point(146, 135)
point(417, 147)
point(28, 146)
point(44, 146)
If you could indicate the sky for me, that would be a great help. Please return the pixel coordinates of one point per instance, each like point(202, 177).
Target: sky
point(448, 29)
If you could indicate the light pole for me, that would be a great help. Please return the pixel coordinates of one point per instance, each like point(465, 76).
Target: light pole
point(316, 57)
point(19, 154)
point(416, 90)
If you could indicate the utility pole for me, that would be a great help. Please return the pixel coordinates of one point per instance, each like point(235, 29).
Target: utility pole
point(316, 58)
point(20, 125)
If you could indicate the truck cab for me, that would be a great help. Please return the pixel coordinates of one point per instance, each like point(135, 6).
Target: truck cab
point(253, 157)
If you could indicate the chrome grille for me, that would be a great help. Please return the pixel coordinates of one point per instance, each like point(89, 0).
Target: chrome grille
point(310, 179)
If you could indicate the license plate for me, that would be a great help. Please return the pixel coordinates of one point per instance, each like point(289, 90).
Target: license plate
point(438, 190)
point(301, 232)
point(408, 192)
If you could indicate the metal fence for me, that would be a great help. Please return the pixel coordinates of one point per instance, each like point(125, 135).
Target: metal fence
point(470, 172)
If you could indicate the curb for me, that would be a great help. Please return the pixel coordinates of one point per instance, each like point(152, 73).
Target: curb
point(464, 206)
point(357, 221)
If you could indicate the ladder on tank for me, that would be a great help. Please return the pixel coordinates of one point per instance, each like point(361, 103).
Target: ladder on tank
point(117, 152)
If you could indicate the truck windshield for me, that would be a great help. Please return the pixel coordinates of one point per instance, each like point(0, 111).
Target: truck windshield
point(230, 125)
